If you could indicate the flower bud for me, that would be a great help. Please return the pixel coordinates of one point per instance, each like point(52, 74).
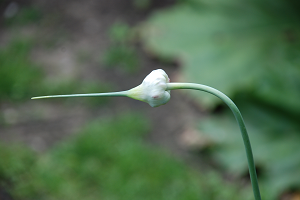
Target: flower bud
point(153, 89)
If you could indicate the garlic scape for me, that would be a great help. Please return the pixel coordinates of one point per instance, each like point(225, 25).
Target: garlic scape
point(155, 90)
point(152, 90)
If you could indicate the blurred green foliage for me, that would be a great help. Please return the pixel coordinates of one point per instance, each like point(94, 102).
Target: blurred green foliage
point(141, 4)
point(24, 16)
point(19, 76)
point(245, 49)
point(121, 56)
point(120, 32)
point(14, 164)
point(122, 52)
point(233, 46)
point(276, 145)
point(109, 160)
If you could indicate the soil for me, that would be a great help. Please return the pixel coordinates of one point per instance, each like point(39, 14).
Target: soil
point(81, 28)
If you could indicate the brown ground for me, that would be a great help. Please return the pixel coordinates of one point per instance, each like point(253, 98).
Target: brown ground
point(81, 28)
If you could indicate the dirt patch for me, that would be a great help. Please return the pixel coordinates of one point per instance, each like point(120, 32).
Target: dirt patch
point(82, 29)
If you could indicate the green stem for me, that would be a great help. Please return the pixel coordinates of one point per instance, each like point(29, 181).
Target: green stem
point(238, 117)
point(108, 94)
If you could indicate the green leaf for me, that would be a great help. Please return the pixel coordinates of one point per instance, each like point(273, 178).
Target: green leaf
point(275, 143)
point(233, 46)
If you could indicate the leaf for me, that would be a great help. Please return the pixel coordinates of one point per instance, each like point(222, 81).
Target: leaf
point(233, 46)
point(275, 143)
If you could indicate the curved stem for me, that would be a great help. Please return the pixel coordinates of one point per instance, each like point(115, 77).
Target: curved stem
point(108, 94)
point(238, 117)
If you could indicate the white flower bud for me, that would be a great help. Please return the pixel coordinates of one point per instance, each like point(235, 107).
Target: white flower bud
point(153, 89)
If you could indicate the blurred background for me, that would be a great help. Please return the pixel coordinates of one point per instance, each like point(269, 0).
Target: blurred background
point(119, 148)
